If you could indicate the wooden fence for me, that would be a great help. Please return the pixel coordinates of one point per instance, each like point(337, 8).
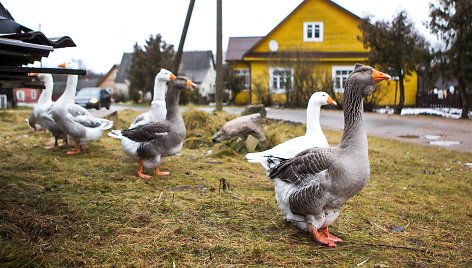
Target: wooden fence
point(429, 100)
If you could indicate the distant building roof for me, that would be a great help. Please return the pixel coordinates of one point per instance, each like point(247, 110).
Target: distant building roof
point(195, 64)
point(105, 76)
point(238, 46)
point(123, 68)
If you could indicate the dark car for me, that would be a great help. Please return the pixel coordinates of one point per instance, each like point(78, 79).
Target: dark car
point(93, 97)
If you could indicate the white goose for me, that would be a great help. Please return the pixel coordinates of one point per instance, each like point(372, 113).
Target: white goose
point(158, 105)
point(44, 101)
point(43, 110)
point(314, 136)
point(74, 120)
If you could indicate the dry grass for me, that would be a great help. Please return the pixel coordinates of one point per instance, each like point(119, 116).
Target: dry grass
point(91, 210)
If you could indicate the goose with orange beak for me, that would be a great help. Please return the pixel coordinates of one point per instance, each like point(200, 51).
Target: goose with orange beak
point(311, 187)
point(158, 109)
point(77, 122)
point(147, 144)
point(314, 136)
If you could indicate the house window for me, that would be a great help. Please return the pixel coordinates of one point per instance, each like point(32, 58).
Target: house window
point(20, 95)
point(280, 79)
point(340, 75)
point(313, 32)
point(33, 94)
point(244, 75)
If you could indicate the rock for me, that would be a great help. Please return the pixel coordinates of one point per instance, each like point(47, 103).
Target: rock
point(242, 127)
point(237, 143)
point(251, 143)
point(254, 109)
point(397, 228)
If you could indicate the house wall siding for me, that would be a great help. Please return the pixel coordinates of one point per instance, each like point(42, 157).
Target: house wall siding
point(340, 30)
point(339, 38)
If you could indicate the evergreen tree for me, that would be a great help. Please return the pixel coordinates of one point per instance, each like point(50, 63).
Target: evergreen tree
point(452, 21)
point(147, 62)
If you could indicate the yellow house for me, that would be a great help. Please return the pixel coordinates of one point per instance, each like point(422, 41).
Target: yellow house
point(320, 37)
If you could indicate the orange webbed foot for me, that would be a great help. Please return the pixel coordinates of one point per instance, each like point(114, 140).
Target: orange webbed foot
point(320, 238)
point(144, 176)
point(325, 233)
point(161, 173)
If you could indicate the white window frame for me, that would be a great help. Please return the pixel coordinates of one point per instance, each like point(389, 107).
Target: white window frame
point(278, 89)
point(20, 95)
point(307, 26)
point(244, 73)
point(342, 77)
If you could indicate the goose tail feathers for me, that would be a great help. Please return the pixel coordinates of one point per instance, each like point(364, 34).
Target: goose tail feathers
point(260, 158)
point(106, 124)
point(115, 134)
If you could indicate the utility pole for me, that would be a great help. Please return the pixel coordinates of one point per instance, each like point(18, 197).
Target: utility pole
point(219, 57)
point(178, 56)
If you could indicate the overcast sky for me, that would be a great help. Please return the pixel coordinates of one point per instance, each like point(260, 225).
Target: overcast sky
point(104, 29)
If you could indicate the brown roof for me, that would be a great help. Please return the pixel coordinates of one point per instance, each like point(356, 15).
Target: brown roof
point(237, 46)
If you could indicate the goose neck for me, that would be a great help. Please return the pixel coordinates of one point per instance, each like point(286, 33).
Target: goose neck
point(353, 123)
point(172, 102)
point(46, 94)
point(313, 118)
point(160, 89)
point(69, 93)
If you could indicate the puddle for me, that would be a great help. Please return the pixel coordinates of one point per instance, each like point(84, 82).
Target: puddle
point(444, 143)
point(409, 136)
point(432, 137)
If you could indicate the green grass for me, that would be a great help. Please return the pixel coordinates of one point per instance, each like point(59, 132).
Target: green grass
point(91, 209)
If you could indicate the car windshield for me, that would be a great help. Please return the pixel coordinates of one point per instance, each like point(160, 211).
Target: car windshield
point(88, 93)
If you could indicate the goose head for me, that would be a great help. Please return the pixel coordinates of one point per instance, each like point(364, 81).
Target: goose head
point(182, 82)
point(366, 77)
point(322, 98)
point(69, 65)
point(164, 75)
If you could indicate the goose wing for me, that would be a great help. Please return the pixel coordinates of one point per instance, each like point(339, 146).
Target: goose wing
point(304, 166)
point(76, 110)
point(88, 121)
point(148, 132)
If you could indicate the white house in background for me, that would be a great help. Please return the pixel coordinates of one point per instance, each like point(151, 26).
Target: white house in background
point(199, 66)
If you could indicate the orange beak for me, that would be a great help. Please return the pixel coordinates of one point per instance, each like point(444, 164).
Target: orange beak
point(331, 101)
point(63, 65)
point(190, 84)
point(172, 77)
point(378, 76)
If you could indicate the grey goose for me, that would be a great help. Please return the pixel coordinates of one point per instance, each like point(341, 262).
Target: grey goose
point(312, 187)
point(148, 143)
